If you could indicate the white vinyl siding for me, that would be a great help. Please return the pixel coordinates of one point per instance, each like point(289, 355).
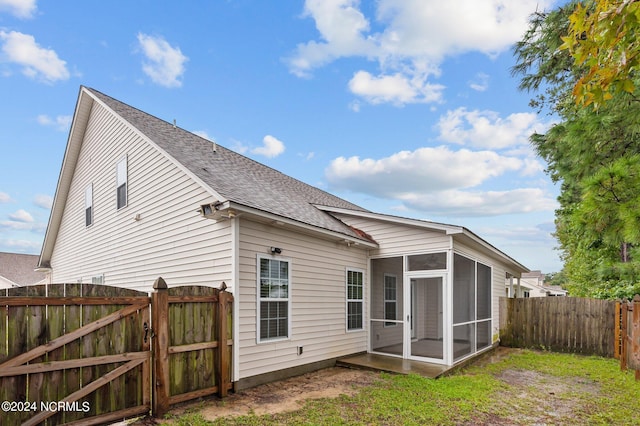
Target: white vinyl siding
point(318, 294)
point(398, 239)
point(88, 205)
point(274, 281)
point(170, 239)
point(355, 299)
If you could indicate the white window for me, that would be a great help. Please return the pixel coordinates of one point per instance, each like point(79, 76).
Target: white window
point(274, 295)
point(355, 298)
point(390, 299)
point(121, 183)
point(88, 205)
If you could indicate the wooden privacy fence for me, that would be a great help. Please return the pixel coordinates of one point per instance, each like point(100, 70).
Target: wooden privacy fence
point(627, 338)
point(90, 354)
point(562, 324)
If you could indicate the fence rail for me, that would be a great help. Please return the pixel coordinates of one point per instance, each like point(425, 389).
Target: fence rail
point(90, 347)
point(562, 324)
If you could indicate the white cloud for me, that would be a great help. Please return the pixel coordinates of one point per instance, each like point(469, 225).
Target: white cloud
point(397, 89)
point(341, 26)
point(61, 122)
point(21, 246)
point(532, 233)
point(4, 197)
point(271, 147)
point(43, 201)
point(164, 64)
point(480, 83)
point(20, 8)
point(307, 156)
point(415, 37)
point(37, 62)
point(439, 181)
point(486, 129)
point(21, 216)
point(423, 170)
point(18, 225)
point(481, 203)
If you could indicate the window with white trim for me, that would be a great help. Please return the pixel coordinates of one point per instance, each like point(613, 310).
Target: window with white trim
point(355, 299)
point(88, 205)
point(274, 295)
point(121, 183)
point(390, 299)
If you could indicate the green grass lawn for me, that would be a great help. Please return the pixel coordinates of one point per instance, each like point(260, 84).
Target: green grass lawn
point(524, 388)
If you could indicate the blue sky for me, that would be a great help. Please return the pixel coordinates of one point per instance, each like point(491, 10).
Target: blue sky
point(405, 107)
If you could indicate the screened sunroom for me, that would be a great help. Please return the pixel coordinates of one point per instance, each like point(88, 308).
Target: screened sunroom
point(434, 307)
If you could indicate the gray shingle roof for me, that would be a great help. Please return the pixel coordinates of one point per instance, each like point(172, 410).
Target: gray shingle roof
point(236, 177)
point(19, 268)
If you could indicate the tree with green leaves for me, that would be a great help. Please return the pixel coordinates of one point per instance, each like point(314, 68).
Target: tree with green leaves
point(593, 153)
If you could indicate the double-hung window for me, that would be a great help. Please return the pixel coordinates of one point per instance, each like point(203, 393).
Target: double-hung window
point(88, 205)
point(274, 296)
point(121, 183)
point(355, 287)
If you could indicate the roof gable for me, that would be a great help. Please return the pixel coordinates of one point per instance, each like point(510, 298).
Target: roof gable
point(459, 233)
point(227, 175)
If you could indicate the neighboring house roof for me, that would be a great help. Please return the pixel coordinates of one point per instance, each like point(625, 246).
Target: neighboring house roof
point(19, 269)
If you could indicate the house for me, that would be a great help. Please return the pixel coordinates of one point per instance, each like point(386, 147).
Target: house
point(17, 269)
point(532, 284)
point(314, 277)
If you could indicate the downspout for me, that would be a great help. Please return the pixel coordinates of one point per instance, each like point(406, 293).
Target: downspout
point(235, 274)
point(449, 299)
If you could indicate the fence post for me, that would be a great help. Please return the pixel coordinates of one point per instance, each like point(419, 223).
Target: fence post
point(635, 336)
point(616, 333)
point(160, 327)
point(222, 370)
point(624, 334)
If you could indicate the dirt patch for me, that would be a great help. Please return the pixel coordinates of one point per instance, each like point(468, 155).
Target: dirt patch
point(552, 398)
point(286, 395)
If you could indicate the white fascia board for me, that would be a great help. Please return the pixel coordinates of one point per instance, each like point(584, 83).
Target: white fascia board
point(500, 254)
point(70, 159)
point(239, 208)
point(449, 229)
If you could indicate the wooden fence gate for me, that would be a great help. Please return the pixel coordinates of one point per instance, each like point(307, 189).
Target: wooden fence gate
point(90, 354)
point(627, 348)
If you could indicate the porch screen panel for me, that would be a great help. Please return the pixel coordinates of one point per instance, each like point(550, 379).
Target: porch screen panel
point(483, 335)
point(484, 292)
point(464, 340)
point(464, 282)
point(386, 325)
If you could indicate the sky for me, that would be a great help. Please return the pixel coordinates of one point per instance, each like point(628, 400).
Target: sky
point(404, 107)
